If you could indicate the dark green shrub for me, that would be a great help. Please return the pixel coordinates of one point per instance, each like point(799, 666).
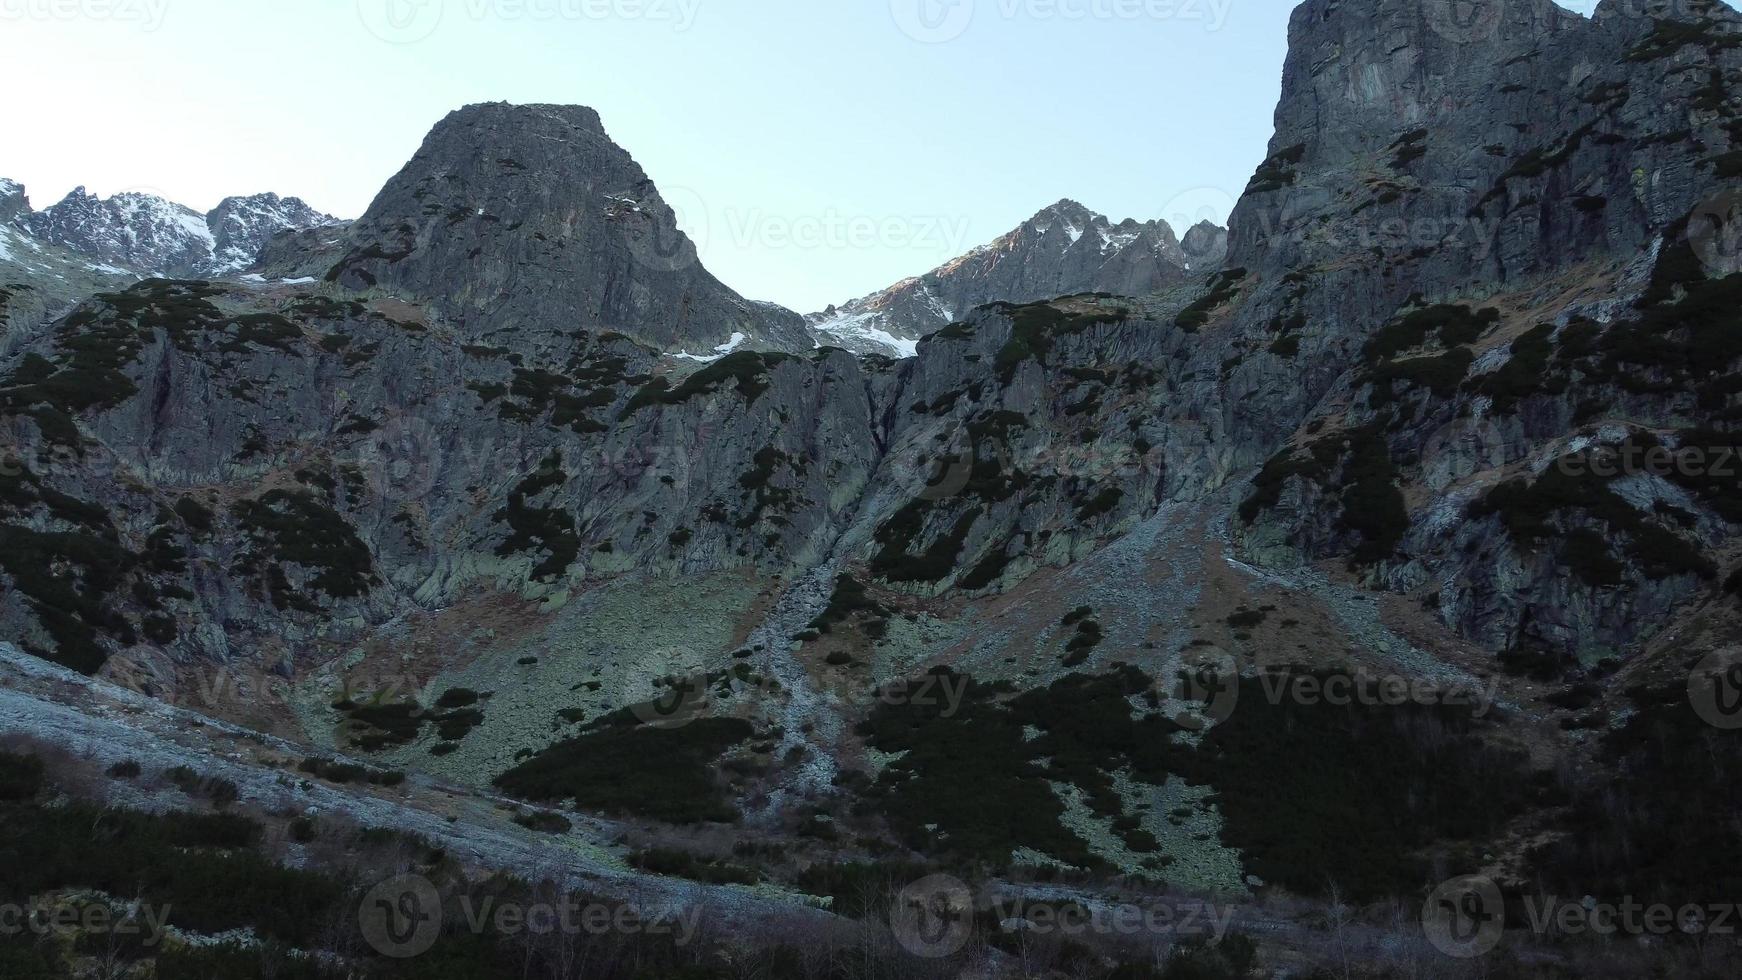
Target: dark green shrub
point(544, 821)
point(682, 864)
point(20, 776)
point(617, 766)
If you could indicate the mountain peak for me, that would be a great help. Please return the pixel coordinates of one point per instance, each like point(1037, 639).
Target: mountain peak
point(1066, 209)
point(548, 120)
point(551, 225)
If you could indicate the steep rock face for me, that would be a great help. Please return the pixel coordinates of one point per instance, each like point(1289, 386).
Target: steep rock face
point(1522, 285)
point(1408, 127)
point(529, 218)
point(1062, 250)
point(13, 201)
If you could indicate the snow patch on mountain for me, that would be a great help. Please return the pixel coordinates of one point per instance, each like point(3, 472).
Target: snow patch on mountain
point(728, 347)
point(861, 333)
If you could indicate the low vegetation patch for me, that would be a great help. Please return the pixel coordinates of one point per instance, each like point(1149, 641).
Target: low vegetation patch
point(619, 766)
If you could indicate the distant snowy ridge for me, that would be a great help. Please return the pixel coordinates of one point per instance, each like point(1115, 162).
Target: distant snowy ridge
point(138, 234)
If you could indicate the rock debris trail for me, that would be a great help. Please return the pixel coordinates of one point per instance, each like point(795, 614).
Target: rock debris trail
point(805, 711)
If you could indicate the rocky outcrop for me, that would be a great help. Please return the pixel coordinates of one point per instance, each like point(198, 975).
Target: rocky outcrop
point(1205, 246)
point(1064, 249)
point(13, 201)
point(241, 227)
point(528, 220)
point(1534, 286)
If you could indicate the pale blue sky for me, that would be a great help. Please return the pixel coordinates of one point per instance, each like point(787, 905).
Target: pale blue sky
point(817, 149)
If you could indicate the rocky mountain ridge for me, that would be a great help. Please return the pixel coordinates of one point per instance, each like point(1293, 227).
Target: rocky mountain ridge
point(1064, 249)
point(1362, 441)
point(145, 235)
point(51, 259)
